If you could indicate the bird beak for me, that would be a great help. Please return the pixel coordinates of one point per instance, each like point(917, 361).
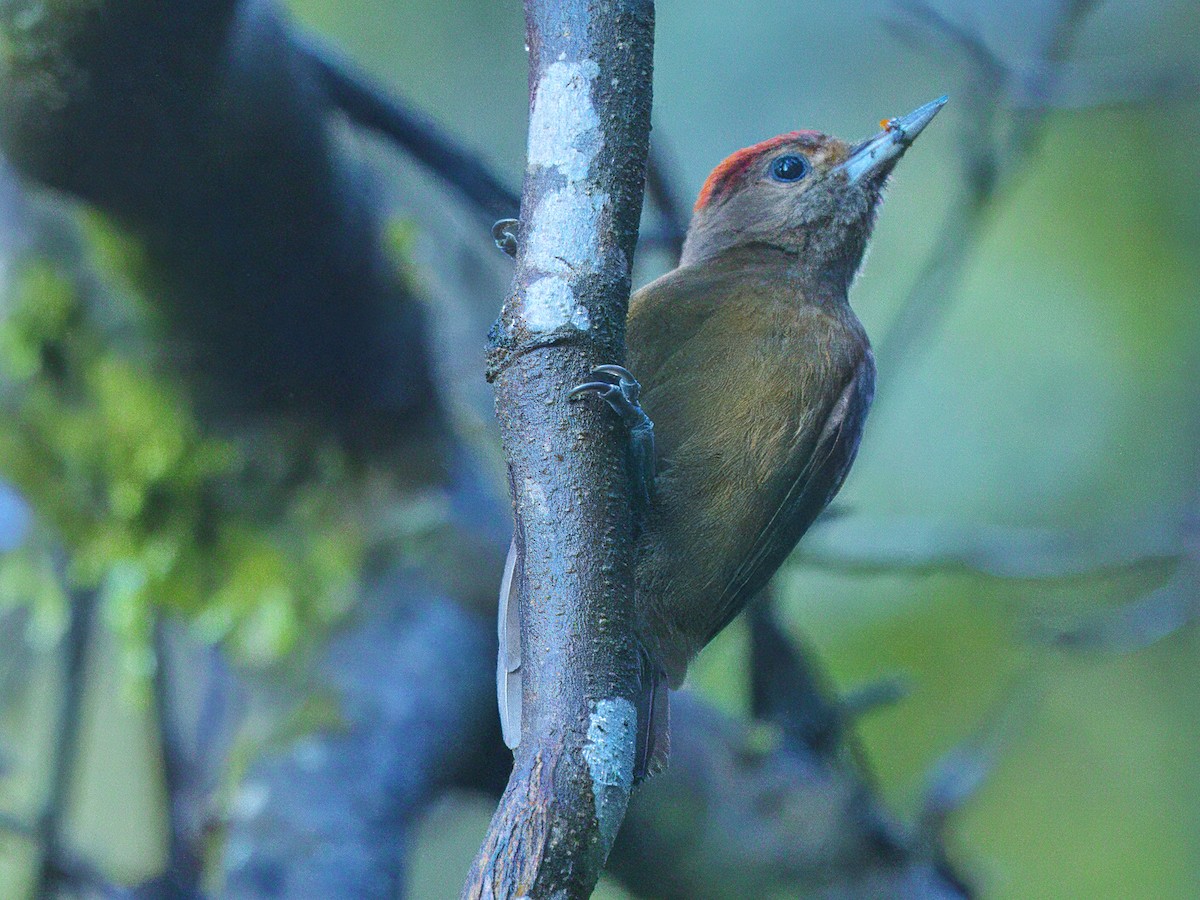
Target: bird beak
point(879, 154)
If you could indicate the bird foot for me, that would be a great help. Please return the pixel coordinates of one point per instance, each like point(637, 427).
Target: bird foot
point(504, 233)
point(621, 393)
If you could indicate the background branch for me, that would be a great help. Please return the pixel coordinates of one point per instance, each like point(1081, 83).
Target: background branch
point(410, 684)
point(51, 841)
point(410, 129)
point(996, 92)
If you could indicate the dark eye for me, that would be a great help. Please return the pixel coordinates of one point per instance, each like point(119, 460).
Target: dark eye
point(789, 168)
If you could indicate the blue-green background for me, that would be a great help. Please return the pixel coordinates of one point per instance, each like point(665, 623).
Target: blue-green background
point(1059, 392)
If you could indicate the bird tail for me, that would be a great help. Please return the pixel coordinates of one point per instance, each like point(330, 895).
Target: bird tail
point(654, 719)
point(508, 662)
point(653, 708)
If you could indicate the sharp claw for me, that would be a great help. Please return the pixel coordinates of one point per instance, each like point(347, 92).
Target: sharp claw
point(622, 395)
point(579, 390)
point(616, 371)
point(504, 233)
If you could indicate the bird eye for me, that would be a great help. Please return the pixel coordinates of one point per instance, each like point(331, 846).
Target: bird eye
point(789, 168)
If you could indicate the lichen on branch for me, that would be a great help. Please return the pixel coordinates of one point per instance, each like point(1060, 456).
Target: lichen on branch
point(590, 88)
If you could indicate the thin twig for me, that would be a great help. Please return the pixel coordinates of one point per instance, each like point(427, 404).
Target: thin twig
point(374, 108)
point(1149, 618)
point(183, 868)
point(996, 91)
point(991, 162)
point(786, 689)
point(959, 774)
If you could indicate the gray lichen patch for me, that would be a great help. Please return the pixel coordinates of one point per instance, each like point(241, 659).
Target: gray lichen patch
point(609, 751)
point(550, 304)
point(564, 243)
point(564, 130)
point(564, 236)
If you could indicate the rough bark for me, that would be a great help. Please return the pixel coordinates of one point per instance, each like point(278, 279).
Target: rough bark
point(590, 88)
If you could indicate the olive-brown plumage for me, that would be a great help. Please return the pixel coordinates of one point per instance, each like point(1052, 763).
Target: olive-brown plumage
point(757, 417)
point(757, 376)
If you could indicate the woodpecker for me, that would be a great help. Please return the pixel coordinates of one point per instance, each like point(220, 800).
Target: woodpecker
point(753, 381)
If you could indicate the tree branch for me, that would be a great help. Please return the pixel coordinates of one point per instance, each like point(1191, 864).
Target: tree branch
point(203, 130)
point(662, 192)
point(410, 129)
point(590, 89)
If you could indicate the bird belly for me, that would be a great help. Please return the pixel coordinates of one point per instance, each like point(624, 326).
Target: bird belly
point(734, 439)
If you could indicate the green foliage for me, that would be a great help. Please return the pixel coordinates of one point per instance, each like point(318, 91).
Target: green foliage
point(254, 536)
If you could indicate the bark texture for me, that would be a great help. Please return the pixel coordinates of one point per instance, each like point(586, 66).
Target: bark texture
point(589, 126)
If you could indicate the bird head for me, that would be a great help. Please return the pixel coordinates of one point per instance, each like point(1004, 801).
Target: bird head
point(803, 192)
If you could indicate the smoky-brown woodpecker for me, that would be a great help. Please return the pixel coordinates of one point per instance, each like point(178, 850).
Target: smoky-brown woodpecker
point(757, 377)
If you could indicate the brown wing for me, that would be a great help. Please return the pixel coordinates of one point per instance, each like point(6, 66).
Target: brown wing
point(731, 361)
point(820, 477)
point(665, 314)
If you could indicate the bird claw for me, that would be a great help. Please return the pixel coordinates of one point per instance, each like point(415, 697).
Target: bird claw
point(619, 372)
point(622, 394)
point(504, 233)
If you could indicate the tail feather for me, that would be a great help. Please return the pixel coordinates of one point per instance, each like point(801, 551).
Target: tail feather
point(653, 708)
point(508, 658)
point(654, 715)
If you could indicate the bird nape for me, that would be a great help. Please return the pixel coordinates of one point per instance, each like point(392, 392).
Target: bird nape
point(756, 376)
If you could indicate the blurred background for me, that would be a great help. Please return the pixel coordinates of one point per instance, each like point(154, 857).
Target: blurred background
point(1016, 545)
